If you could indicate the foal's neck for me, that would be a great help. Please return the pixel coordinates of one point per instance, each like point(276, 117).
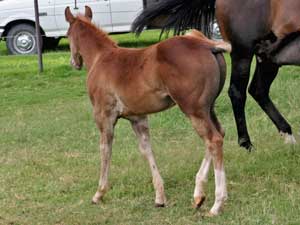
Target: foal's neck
point(93, 43)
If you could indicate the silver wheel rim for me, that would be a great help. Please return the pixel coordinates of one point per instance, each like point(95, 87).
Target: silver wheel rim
point(24, 42)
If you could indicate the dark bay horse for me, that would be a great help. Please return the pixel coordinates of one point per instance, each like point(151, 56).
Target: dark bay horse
point(252, 27)
point(130, 83)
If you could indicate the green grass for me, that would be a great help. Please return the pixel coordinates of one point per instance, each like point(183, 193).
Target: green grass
point(49, 159)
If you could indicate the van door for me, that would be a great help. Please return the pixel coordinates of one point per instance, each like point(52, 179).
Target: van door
point(101, 13)
point(123, 13)
point(100, 8)
point(46, 14)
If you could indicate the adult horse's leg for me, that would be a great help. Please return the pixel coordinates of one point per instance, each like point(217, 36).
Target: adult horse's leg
point(105, 122)
point(214, 150)
point(141, 129)
point(237, 91)
point(265, 73)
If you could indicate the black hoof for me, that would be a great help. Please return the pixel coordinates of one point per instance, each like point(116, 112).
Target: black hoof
point(247, 145)
point(158, 205)
point(199, 202)
point(94, 203)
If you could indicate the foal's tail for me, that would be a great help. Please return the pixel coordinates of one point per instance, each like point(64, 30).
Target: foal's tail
point(178, 15)
point(221, 46)
point(216, 46)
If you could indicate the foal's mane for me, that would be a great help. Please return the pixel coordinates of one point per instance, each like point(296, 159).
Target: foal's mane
point(100, 34)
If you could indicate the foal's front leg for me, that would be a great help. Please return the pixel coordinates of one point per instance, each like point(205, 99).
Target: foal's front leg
point(106, 127)
point(141, 129)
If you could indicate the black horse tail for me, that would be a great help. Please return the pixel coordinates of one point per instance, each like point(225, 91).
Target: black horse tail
point(179, 15)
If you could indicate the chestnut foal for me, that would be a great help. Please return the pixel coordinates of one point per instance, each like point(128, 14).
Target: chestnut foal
point(130, 83)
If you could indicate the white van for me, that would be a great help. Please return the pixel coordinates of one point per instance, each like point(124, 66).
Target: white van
point(17, 20)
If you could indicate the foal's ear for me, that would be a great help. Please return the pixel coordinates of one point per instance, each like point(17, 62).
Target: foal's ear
point(88, 12)
point(68, 15)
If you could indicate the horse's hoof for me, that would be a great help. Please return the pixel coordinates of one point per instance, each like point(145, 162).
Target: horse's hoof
point(288, 138)
point(95, 200)
point(198, 202)
point(211, 214)
point(246, 144)
point(160, 205)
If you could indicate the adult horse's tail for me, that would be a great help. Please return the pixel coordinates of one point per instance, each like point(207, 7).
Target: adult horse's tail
point(179, 15)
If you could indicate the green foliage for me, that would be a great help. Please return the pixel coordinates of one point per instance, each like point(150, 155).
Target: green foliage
point(49, 159)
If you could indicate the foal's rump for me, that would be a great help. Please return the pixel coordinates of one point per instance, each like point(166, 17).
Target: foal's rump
point(193, 69)
point(191, 51)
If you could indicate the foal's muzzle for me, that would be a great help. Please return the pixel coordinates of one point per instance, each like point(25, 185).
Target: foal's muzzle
point(77, 64)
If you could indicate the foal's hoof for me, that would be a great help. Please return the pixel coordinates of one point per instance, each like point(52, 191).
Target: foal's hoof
point(211, 214)
point(198, 202)
point(160, 205)
point(95, 200)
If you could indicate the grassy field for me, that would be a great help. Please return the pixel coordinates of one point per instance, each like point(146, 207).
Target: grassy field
point(49, 158)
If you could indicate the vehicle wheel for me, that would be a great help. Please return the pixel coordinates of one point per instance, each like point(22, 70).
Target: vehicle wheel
point(216, 33)
point(21, 40)
point(50, 43)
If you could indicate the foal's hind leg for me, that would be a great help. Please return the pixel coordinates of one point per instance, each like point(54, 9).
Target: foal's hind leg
point(201, 177)
point(259, 88)
point(217, 123)
point(201, 180)
point(214, 150)
point(106, 127)
point(141, 129)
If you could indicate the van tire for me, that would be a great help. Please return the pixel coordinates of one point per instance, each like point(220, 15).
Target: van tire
point(21, 40)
